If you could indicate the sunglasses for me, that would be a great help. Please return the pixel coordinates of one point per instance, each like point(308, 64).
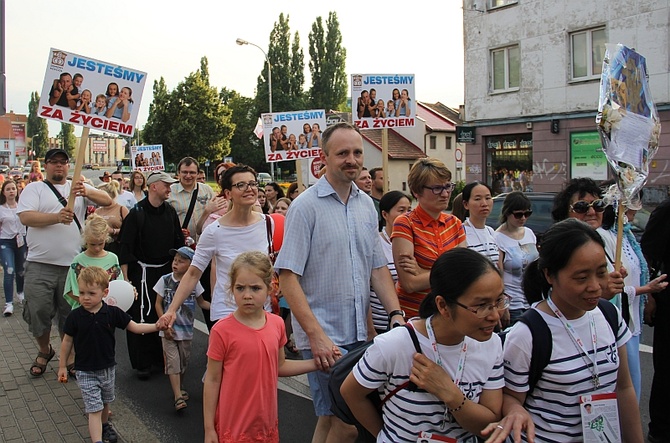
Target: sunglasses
point(520, 214)
point(582, 206)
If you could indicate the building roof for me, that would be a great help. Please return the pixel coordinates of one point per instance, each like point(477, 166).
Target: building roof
point(438, 117)
point(399, 148)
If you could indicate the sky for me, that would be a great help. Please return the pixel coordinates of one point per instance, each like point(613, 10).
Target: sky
point(168, 38)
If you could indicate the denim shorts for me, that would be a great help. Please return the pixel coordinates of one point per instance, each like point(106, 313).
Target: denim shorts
point(318, 383)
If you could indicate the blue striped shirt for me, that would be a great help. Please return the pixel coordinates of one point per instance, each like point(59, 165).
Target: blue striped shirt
point(333, 247)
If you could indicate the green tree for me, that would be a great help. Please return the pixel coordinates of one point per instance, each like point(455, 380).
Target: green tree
point(37, 129)
point(327, 65)
point(68, 139)
point(297, 77)
point(191, 120)
point(245, 147)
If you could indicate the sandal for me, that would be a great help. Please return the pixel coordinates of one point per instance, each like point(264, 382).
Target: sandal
point(184, 395)
point(71, 372)
point(179, 404)
point(38, 369)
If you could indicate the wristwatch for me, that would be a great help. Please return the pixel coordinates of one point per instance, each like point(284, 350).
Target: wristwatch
point(394, 313)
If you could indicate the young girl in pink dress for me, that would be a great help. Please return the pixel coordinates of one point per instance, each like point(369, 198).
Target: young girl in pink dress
point(244, 360)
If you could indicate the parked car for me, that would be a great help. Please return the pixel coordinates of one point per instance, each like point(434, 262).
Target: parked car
point(541, 220)
point(264, 178)
point(16, 173)
point(4, 169)
point(292, 178)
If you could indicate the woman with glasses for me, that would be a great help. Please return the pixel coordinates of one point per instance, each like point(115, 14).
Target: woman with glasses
point(422, 235)
point(241, 229)
point(588, 364)
point(581, 200)
point(477, 202)
point(459, 371)
point(518, 249)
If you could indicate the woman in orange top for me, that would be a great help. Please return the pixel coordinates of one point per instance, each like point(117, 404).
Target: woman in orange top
point(422, 235)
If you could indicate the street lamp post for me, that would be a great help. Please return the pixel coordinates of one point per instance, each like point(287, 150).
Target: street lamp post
point(242, 42)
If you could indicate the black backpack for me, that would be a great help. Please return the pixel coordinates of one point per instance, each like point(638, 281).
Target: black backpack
point(542, 340)
point(340, 371)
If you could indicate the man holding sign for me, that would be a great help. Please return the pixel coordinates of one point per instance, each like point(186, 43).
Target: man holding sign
point(54, 239)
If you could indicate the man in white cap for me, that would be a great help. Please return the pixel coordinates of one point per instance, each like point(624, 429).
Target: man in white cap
point(148, 233)
point(53, 239)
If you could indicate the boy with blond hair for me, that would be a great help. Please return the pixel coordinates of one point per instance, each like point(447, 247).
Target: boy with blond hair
point(90, 329)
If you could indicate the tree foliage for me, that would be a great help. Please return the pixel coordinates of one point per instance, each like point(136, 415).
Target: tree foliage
point(327, 65)
point(68, 139)
point(190, 120)
point(245, 147)
point(37, 129)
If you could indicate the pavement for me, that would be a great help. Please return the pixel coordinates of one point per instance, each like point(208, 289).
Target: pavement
point(41, 409)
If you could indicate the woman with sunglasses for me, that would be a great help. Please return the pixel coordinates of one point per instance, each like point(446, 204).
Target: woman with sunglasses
point(459, 371)
point(581, 200)
point(423, 234)
point(518, 249)
point(588, 364)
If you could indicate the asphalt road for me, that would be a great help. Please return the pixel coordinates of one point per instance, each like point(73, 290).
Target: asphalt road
point(151, 402)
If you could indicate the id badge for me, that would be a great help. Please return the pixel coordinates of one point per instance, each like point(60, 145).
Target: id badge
point(20, 240)
point(427, 437)
point(600, 418)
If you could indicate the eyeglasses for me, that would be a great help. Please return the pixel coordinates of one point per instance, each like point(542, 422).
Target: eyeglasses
point(582, 206)
point(518, 215)
point(243, 186)
point(439, 189)
point(58, 162)
point(484, 311)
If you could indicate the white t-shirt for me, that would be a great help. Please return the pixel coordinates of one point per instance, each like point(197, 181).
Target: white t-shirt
point(482, 241)
point(387, 364)
point(10, 225)
point(380, 317)
point(127, 199)
point(518, 255)
point(223, 244)
point(554, 403)
point(56, 244)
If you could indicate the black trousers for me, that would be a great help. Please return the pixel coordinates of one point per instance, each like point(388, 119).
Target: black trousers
point(207, 295)
point(145, 350)
point(659, 405)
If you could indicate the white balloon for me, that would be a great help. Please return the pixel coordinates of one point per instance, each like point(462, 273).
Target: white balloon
point(121, 294)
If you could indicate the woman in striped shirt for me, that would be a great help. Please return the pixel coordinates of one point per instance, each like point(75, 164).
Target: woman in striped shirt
point(588, 357)
point(459, 372)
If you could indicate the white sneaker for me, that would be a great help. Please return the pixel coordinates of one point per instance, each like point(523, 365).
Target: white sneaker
point(19, 297)
point(9, 310)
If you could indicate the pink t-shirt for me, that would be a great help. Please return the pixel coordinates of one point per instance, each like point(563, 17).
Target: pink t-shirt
point(247, 407)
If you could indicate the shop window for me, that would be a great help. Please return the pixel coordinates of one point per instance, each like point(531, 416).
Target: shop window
point(587, 50)
point(509, 160)
point(505, 69)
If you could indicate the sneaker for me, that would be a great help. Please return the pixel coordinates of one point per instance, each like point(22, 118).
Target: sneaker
point(9, 309)
point(19, 297)
point(108, 433)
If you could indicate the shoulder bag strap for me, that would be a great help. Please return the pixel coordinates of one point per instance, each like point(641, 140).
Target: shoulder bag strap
point(191, 206)
point(271, 248)
point(408, 384)
point(61, 199)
